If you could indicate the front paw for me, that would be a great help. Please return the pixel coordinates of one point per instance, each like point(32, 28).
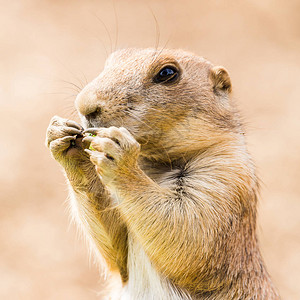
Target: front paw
point(64, 139)
point(115, 152)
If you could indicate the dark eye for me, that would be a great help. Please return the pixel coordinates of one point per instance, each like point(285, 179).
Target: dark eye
point(166, 75)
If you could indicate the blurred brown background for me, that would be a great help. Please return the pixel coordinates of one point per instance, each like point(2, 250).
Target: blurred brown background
point(46, 44)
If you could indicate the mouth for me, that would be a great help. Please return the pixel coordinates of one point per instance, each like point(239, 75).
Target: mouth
point(91, 123)
point(101, 122)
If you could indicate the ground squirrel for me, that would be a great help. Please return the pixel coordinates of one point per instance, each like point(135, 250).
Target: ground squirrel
point(161, 179)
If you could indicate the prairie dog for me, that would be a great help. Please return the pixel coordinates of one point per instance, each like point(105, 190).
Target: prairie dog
point(167, 191)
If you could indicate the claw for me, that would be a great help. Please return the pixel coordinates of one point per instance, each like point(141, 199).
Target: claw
point(71, 123)
point(88, 151)
point(72, 131)
point(87, 139)
point(91, 131)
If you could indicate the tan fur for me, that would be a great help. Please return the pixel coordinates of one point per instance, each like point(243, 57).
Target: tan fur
point(171, 204)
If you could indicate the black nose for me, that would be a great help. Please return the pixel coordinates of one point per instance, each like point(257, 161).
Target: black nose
point(93, 115)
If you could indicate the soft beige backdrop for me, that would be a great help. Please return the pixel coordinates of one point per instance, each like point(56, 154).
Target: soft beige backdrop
point(46, 44)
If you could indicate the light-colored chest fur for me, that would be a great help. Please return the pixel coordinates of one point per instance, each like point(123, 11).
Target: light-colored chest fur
point(145, 283)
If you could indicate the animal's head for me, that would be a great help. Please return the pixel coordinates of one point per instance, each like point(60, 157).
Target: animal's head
point(168, 98)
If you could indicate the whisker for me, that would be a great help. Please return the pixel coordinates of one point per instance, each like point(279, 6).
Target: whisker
point(106, 29)
point(103, 45)
point(95, 34)
point(86, 81)
point(69, 97)
point(58, 93)
point(116, 26)
point(138, 119)
point(160, 51)
point(72, 73)
point(68, 88)
point(145, 123)
point(160, 145)
point(166, 43)
point(157, 30)
point(73, 84)
point(70, 114)
point(70, 109)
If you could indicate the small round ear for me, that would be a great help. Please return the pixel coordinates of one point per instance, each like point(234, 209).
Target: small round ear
point(220, 79)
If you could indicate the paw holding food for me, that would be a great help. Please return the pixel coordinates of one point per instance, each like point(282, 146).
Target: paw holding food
point(113, 151)
point(64, 138)
point(91, 147)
